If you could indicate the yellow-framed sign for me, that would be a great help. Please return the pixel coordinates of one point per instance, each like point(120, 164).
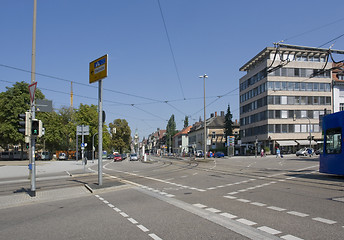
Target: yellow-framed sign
point(98, 69)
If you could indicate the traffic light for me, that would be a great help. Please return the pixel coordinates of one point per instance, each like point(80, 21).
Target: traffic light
point(36, 128)
point(24, 123)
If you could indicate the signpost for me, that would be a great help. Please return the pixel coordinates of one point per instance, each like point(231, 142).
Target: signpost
point(97, 72)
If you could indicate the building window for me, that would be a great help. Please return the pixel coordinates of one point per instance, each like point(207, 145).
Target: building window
point(213, 135)
point(341, 106)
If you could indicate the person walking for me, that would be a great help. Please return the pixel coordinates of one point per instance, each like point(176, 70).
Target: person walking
point(278, 153)
point(262, 153)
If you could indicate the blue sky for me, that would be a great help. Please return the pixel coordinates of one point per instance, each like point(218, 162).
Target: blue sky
point(215, 37)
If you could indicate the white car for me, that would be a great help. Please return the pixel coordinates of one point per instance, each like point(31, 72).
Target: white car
point(62, 156)
point(133, 157)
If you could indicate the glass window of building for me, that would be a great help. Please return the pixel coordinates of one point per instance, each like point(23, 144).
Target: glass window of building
point(310, 100)
point(322, 87)
point(290, 86)
point(284, 113)
point(303, 86)
point(309, 86)
point(271, 114)
point(284, 128)
point(310, 114)
point(297, 114)
point(303, 113)
point(277, 100)
point(316, 100)
point(316, 86)
point(303, 100)
point(297, 128)
point(328, 100)
point(284, 86)
point(278, 114)
point(277, 86)
point(284, 100)
point(327, 87)
point(291, 100)
point(290, 113)
point(270, 100)
point(316, 128)
point(316, 114)
point(271, 128)
point(302, 72)
point(322, 100)
point(297, 100)
point(296, 72)
point(341, 106)
point(303, 128)
point(291, 128)
point(278, 128)
point(297, 86)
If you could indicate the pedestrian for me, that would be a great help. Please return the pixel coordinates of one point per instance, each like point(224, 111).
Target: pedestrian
point(262, 153)
point(278, 153)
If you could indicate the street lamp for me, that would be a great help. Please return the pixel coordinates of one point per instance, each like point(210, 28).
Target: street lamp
point(205, 124)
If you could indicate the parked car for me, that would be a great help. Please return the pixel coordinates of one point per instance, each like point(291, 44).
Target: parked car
point(199, 153)
point(110, 156)
point(133, 157)
point(62, 156)
point(45, 156)
point(219, 154)
point(305, 152)
point(117, 157)
point(124, 156)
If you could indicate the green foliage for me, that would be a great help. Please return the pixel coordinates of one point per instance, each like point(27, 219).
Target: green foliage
point(121, 137)
point(170, 130)
point(14, 101)
point(186, 121)
point(228, 122)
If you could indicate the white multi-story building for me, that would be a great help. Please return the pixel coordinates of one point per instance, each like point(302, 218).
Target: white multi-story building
point(338, 87)
point(282, 95)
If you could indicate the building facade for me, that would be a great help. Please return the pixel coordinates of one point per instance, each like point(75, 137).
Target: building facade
point(181, 142)
point(338, 87)
point(284, 92)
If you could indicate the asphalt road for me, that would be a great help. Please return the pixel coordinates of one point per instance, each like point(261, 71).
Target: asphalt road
point(230, 198)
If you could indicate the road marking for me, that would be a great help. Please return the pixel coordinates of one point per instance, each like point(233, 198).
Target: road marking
point(117, 209)
point(258, 204)
point(298, 214)
point(106, 202)
point(155, 237)
point(246, 222)
point(230, 197)
point(276, 208)
point(110, 205)
point(199, 205)
point(232, 193)
point(243, 200)
point(213, 210)
point(324, 220)
point(132, 220)
point(143, 228)
point(228, 215)
point(269, 230)
point(124, 214)
point(290, 237)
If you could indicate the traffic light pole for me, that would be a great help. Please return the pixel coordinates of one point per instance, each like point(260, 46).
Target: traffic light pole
point(33, 115)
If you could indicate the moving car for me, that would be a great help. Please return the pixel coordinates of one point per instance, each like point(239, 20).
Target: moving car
point(305, 152)
point(133, 157)
point(117, 157)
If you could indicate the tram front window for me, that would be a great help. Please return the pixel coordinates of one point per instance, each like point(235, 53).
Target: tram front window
point(333, 140)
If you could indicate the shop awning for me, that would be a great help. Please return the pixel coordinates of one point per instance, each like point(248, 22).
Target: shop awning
point(287, 143)
point(306, 142)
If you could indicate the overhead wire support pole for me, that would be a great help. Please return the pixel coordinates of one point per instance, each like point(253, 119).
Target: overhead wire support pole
point(33, 113)
point(100, 134)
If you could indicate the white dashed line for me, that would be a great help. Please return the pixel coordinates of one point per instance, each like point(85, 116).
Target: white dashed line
point(324, 220)
point(213, 210)
point(230, 197)
point(110, 205)
point(276, 209)
point(228, 215)
point(124, 214)
point(243, 200)
point(258, 204)
point(155, 237)
point(200, 205)
point(298, 214)
point(269, 230)
point(143, 228)
point(290, 237)
point(132, 220)
point(117, 209)
point(246, 222)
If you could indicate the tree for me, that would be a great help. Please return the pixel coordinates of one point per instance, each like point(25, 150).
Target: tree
point(14, 101)
point(228, 122)
point(120, 139)
point(170, 130)
point(186, 121)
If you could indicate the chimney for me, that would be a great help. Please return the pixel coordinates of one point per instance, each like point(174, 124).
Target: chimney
point(212, 115)
point(215, 114)
point(222, 113)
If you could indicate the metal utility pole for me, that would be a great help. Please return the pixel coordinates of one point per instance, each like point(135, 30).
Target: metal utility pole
point(100, 133)
point(33, 115)
point(205, 123)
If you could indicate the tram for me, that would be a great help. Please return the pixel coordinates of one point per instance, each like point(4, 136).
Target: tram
point(332, 158)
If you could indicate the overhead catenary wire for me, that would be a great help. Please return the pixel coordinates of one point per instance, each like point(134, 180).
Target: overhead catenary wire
point(171, 49)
